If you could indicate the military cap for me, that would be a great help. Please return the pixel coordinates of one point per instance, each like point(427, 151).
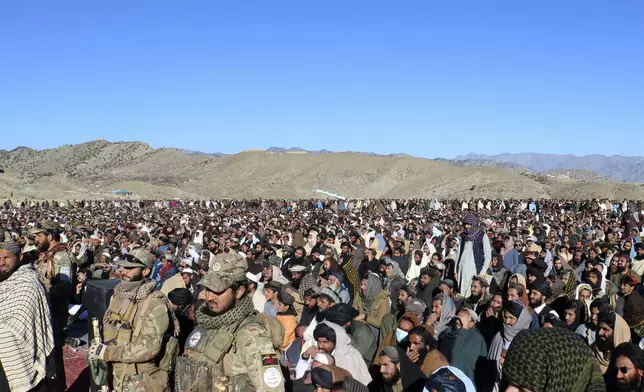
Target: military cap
point(47, 226)
point(224, 272)
point(137, 257)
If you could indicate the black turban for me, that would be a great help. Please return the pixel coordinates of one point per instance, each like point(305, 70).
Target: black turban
point(340, 314)
point(180, 297)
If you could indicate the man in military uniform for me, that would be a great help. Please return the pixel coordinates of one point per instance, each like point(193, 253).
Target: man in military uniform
point(134, 327)
point(230, 349)
point(56, 269)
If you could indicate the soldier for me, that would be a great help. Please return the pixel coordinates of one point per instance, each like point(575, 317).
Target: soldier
point(56, 269)
point(134, 327)
point(230, 349)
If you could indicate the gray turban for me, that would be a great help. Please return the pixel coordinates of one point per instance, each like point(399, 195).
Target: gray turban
point(12, 247)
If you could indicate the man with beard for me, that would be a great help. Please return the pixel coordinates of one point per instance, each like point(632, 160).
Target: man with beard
point(629, 368)
point(621, 268)
point(612, 331)
point(588, 331)
point(539, 295)
point(464, 346)
point(399, 257)
point(57, 270)
point(310, 307)
point(25, 325)
point(491, 323)
point(361, 336)
point(133, 328)
point(479, 298)
point(370, 264)
point(398, 372)
point(633, 306)
point(335, 280)
point(637, 264)
point(296, 259)
point(427, 283)
point(333, 339)
point(346, 252)
point(423, 350)
point(230, 348)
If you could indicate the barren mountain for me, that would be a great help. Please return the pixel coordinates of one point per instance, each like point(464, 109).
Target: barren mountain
point(94, 169)
point(615, 167)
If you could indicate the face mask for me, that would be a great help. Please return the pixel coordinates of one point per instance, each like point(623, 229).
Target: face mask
point(321, 257)
point(401, 335)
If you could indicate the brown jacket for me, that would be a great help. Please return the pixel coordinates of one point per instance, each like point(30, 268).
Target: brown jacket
point(379, 309)
point(433, 360)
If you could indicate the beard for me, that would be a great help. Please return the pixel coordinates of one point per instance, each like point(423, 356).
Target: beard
point(475, 297)
point(632, 386)
point(603, 344)
point(4, 275)
point(620, 270)
point(44, 246)
point(421, 356)
point(422, 285)
point(393, 380)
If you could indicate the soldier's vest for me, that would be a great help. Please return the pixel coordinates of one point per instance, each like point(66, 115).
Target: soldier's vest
point(205, 365)
point(121, 325)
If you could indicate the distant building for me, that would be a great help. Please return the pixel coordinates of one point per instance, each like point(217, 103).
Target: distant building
point(122, 192)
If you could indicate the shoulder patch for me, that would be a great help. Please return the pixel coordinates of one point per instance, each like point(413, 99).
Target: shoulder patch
point(272, 377)
point(269, 360)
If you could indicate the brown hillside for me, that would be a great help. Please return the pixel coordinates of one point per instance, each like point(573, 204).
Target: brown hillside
point(92, 170)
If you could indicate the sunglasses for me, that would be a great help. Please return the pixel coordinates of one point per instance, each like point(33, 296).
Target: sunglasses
point(133, 259)
point(623, 369)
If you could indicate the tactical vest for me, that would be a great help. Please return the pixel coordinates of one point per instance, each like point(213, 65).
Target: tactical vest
point(205, 365)
point(121, 325)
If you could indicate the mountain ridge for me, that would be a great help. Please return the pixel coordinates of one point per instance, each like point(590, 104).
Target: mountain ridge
point(615, 167)
point(95, 168)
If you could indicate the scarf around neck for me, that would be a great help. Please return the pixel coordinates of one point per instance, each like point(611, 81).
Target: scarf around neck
point(229, 319)
point(134, 291)
point(475, 230)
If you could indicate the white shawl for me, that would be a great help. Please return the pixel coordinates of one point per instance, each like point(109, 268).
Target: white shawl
point(26, 333)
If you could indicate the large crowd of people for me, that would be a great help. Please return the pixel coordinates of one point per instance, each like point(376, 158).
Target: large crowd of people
point(327, 295)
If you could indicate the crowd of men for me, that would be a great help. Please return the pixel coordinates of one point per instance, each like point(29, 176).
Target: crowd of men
point(328, 295)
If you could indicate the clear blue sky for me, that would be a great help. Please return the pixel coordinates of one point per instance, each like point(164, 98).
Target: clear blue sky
point(428, 78)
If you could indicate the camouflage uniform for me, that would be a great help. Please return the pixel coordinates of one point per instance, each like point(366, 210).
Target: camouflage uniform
point(57, 271)
point(133, 332)
point(232, 351)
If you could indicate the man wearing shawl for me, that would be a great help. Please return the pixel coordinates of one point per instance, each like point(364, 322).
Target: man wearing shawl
point(333, 339)
point(516, 318)
point(398, 372)
point(633, 305)
point(394, 280)
point(372, 303)
point(612, 331)
point(361, 336)
point(443, 309)
point(475, 255)
point(331, 378)
point(26, 333)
